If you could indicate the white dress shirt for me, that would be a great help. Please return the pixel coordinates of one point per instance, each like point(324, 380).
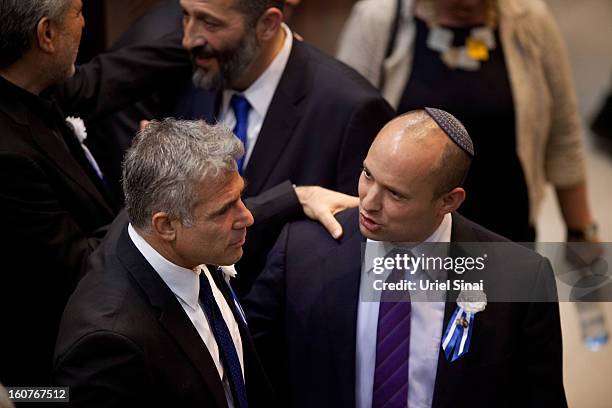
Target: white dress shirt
point(427, 318)
point(259, 95)
point(185, 284)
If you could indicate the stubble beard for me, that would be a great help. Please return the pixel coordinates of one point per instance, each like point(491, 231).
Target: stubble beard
point(60, 72)
point(232, 64)
point(63, 65)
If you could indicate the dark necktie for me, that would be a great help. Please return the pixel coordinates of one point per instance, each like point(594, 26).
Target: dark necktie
point(241, 109)
point(392, 347)
point(229, 356)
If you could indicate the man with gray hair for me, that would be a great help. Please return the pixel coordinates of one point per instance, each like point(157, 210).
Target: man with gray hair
point(304, 118)
point(51, 187)
point(154, 322)
point(54, 199)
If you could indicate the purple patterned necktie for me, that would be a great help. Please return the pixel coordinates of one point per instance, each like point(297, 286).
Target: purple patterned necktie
point(392, 347)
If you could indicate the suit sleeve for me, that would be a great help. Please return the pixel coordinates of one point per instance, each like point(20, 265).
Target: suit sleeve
point(41, 219)
point(366, 120)
point(542, 347)
point(105, 369)
point(265, 309)
point(114, 80)
point(277, 205)
point(271, 210)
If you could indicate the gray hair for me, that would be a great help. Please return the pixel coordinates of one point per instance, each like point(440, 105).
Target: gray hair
point(18, 22)
point(165, 162)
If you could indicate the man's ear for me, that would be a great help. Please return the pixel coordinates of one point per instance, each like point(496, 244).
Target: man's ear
point(452, 200)
point(46, 33)
point(163, 227)
point(269, 23)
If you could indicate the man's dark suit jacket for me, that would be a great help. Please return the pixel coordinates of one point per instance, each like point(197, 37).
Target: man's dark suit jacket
point(317, 131)
point(125, 340)
point(55, 206)
point(302, 312)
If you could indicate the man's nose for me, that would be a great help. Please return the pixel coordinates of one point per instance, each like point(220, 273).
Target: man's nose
point(245, 219)
point(372, 200)
point(192, 36)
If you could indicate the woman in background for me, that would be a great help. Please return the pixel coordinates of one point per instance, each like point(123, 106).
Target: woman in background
point(501, 68)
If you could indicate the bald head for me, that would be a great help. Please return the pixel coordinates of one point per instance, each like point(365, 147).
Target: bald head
point(411, 179)
point(416, 137)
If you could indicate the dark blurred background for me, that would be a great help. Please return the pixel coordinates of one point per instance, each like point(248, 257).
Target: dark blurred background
point(318, 21)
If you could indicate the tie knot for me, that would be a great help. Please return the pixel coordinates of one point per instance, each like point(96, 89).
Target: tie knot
point(199, 269)
point(402, 263)
point(240, 105)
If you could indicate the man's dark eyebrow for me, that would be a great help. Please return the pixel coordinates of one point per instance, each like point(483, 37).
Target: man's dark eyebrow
point(205, 15)
point(225, 207)
point(393, 189)
point(229, 204)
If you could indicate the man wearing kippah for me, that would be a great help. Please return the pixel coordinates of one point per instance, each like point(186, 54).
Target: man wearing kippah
point(335, 333)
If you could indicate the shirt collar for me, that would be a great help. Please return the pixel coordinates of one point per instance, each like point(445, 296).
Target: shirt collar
point(183, 282)
point(441, 234)
point(261, 92)
point(378, 249)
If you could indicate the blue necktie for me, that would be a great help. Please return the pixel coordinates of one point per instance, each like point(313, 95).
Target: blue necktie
point(241, 109)
point(392, 347)
point(228, 353)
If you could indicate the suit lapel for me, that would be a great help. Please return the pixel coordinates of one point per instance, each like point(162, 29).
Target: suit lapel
point(64, 160)
point(50, 145)
point(449, 376)
point(341, 272)
point(172, 316)
point(178, 326)
point(280, 121)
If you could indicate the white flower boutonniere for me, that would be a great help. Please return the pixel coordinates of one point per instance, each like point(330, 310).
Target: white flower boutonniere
point(458, 333)
point(78, 127)
point(472, 301)
point(229, 272)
